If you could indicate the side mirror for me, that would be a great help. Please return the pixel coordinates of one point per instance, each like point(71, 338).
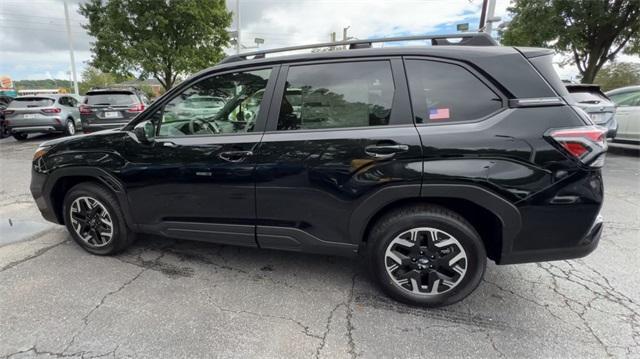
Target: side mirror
point(145, 132)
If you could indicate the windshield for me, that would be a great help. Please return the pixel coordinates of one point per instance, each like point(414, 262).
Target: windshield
point(110, 98)
point(28, 102)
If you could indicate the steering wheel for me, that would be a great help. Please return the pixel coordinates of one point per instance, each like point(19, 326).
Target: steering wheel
point(197, 124)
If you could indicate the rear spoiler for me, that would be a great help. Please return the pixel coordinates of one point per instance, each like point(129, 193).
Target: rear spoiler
point(531, 52)
point(583, 88)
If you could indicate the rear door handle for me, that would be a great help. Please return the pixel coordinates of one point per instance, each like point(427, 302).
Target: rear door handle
point(385, 151)
point(235, 156)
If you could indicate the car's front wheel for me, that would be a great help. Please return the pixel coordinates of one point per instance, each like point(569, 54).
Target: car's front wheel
point(426, 255)
point(94, 219)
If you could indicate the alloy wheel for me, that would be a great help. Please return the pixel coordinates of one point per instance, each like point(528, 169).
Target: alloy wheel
point(426, 261)
point(71, 127)
point(91, 221)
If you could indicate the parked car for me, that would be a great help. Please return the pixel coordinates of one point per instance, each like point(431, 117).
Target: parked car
point(42, 114)
point(201, 106)
point(4, 102)
point(628, 113)
point(111, 108)
point(425, 160)
point(597, 105)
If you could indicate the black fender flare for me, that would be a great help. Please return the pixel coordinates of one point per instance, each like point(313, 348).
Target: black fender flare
point(506, 212)
point(101, 176)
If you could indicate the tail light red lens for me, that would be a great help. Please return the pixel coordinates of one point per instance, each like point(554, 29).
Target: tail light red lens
point(51, 110)
point(84, 109)
point(584, 143)
point(8, 112)
point(136, 108)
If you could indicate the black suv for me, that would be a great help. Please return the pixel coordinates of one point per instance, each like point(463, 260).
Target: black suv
point(110, 108)
point(427, 160)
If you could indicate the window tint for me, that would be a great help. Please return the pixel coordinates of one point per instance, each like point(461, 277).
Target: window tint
point(63, 101)
point(221, 104)
point(442, 92)
point(110, 98)
point(627, 99)
point(337, 95)
point(26, 102)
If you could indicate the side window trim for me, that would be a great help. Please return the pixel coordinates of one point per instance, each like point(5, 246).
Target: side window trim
point(504, 99)
point(396, 120)
point(262, 113)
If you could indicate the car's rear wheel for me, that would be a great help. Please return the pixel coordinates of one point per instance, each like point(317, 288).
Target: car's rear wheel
point(94, 219)
point(426, 255)
point(70, 127)
point(20, 136)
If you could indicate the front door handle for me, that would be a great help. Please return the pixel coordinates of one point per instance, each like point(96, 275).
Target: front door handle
point(385, 151)
point(235, 156)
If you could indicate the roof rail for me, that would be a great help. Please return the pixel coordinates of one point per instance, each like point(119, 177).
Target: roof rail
point(466, 39)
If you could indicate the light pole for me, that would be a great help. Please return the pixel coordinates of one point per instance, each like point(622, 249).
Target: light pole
point(73, 61)
point(238, 26)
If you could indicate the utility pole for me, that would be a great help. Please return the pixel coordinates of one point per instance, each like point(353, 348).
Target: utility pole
point(238, 26)
point(483, 15)
point(73, 61)
point(491, 10)
point(344, 33)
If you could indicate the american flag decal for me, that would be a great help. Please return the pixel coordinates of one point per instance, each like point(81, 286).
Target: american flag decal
point(439, 114)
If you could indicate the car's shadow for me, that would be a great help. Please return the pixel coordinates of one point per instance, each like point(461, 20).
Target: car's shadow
point(301, 272)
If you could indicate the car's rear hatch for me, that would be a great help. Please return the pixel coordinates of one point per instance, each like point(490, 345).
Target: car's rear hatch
point(593, 101)
point(110, 107)
point(30, 111)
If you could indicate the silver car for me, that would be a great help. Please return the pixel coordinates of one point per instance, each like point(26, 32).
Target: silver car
point(42, 114)
point(628, 113)
point(597, 105)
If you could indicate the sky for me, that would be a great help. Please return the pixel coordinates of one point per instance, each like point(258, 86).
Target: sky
point(34, 43)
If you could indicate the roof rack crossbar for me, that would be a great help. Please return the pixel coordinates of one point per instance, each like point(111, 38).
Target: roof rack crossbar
point(466, 39)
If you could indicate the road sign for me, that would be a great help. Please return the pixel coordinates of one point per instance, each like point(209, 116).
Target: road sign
point(463, 27)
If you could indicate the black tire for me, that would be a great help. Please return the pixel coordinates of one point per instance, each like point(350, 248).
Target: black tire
point(3, 129)
point(121, 236)
point(20, 136)
point(391, 226)
point(68, 131)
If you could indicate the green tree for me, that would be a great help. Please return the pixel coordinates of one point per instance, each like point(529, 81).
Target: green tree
point(593, 31)
point(618, 74)
point(93, 78)
point(164, 39)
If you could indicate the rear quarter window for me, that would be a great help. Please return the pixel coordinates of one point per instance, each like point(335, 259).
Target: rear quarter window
point(448, 93)
point(27, 102)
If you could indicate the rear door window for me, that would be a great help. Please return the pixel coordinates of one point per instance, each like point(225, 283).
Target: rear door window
point(337, 95)
point(443, 93)
point(28, 102)
point(110, 99)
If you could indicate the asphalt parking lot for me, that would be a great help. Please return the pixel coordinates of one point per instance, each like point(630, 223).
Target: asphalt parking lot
point(176, 299)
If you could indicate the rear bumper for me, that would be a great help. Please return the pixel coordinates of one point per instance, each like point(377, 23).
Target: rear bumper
point(95, 127)
point(36, 129)
point(586, 245)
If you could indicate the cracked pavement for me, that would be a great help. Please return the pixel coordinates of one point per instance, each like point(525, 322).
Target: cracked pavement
point(175, 299)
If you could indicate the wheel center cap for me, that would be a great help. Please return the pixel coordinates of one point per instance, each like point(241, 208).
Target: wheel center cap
point(423, 261)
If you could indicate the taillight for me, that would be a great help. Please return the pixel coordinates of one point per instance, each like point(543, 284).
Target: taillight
point(136, 108)
point(8, 112)
point(586, 144)
point(51, 110)
point(84, 109)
